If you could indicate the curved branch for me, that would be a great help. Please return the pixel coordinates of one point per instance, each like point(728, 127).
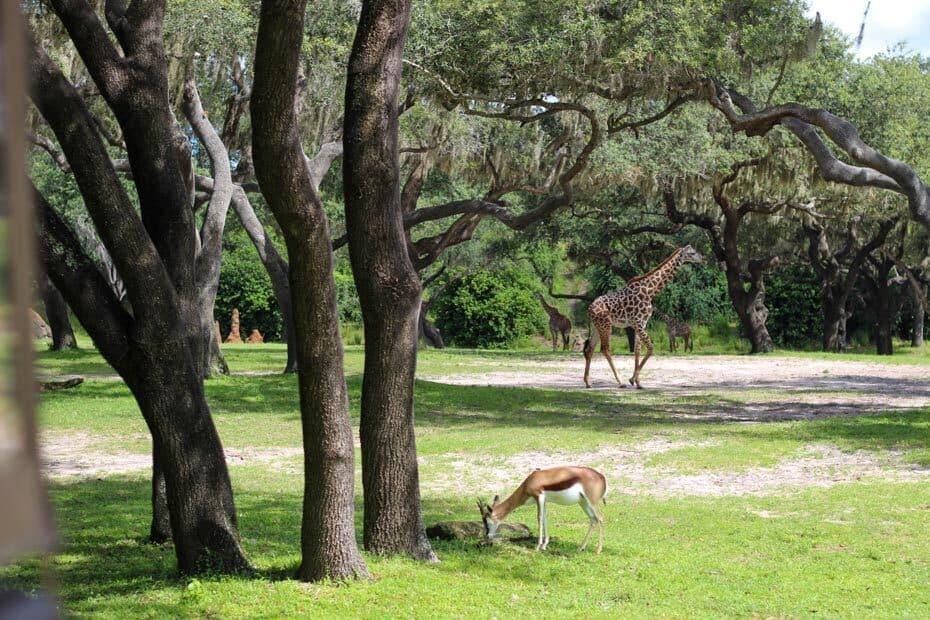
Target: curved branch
point(211, 232)
point(875, 169)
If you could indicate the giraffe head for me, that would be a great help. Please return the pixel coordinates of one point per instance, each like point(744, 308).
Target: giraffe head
point(690, 255)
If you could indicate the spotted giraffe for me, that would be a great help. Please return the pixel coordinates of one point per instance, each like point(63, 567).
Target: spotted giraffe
point(676, 329)
point(558, 324)
point(632, 307)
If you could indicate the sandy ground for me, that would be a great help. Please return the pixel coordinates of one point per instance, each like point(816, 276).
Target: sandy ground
point(790, 389)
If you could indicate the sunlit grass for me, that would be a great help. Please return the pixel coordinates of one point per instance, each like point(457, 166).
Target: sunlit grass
point(849, 550)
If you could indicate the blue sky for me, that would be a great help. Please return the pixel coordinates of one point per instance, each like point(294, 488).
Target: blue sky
point(889, 22)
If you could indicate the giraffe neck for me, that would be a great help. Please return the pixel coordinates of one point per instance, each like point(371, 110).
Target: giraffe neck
point(656, 281)
point(551, 311)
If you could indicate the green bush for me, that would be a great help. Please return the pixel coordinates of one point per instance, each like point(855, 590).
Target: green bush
point(350, 311)
point(244, 284)
point(489, 310)
point(793, 299)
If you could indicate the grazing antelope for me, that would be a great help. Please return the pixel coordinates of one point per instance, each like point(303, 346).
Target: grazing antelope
point(561, 485)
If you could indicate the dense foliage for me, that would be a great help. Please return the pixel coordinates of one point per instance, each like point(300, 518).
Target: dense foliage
point(244, 284)
point(791, 295)
point(489, 309)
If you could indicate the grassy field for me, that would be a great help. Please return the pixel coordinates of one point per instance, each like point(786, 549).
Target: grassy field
point(705, 517)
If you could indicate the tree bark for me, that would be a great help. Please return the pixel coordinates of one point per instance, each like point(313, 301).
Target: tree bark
point(838, 271)
point(918, 295)
point(208, 355)
point(387, 283)
point(427, 331)
point(328, 546)
point(153, 251)
point(56, 311)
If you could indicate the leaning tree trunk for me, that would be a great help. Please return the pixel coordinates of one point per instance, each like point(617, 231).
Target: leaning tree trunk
point(56, 311)
point(387, 283)
point(328, 547)
point(750, 308)
point(202, 515)
point(153, 249)
point(834, 322)
point(918, 296)
point(428, 332)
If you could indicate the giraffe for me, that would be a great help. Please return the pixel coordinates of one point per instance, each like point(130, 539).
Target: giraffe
point(558, 323)
point(676, 328)
point(632, 307)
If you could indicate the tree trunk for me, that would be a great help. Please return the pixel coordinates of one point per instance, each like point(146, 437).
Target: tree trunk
point(56, 311)
point(160, 530)
point(328, 547)
point(630, 338)
point(387, 283)
point(153, 249)
point(750, 308)
point(427, 331)
point(202, 514)
point(917, 326)
point(753, 319)
point(834, 322)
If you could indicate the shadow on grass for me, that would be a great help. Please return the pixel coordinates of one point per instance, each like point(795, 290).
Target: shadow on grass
point(105, 554)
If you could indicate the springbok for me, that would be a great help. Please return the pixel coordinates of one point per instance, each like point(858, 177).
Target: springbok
point(561, 485)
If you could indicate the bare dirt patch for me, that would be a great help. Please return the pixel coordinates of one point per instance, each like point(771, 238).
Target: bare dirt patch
point(83, 455)
point(798, 388)
point(628, 472)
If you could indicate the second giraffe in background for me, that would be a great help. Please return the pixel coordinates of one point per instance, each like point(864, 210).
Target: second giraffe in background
point(558, 324)
point(676, 329)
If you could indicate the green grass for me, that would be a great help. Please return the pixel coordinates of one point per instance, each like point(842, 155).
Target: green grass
point(849, 550)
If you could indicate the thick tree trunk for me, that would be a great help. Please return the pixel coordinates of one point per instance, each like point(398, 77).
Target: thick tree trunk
point(202, 514)
point(153, 249)
point(56, 311)
point(160, 530)
point(388, 286)
point(753, 319)
point(834, 322)
point(750, 308)
point(328, 547)
point(918, 294)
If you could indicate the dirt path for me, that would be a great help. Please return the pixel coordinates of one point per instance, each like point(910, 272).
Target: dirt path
point(789, 388)
point(763, 389)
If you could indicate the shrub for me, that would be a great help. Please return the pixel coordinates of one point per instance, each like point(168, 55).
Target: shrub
point(793, 299)
point(244, 284)
point(489, 310)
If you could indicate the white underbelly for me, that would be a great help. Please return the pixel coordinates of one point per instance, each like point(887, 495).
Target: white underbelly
point(571, 495)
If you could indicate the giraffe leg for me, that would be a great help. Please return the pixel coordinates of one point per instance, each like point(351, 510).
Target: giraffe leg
point(588, 350)
point(605, 349)
point(555, 338)
point(641, 336)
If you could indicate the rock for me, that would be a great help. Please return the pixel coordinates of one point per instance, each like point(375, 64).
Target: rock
point(255, 337)
point(48, 386)
point(234, 337)
point(463, 530)
point(40, 328)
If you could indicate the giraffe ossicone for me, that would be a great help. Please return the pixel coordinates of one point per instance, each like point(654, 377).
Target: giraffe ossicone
point(632, 307)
